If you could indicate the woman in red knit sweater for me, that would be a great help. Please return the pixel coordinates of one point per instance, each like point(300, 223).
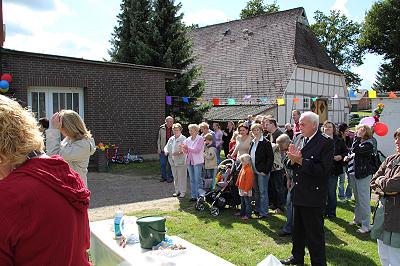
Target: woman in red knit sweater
point(44, 219)
point(245, 185)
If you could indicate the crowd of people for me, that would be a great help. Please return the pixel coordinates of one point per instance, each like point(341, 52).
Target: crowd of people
point(296, 171)
point(299, 171)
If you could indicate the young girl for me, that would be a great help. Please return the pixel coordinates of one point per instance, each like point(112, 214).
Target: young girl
point(245, 185)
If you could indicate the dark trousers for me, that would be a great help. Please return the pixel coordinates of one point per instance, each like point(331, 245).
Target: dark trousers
point(277, 190)
point(308, 230)
point(332, 200)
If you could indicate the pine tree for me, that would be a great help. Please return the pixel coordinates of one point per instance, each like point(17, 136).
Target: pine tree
point(130, 38)
point(172, 48)
point(388, 77)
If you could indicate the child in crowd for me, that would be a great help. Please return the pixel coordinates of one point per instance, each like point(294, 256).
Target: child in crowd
point(245, 185)
point(210, 157)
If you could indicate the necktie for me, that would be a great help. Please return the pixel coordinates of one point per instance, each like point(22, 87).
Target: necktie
point(305, 141)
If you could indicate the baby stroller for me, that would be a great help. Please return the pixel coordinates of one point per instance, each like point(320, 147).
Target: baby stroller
point(223, 192)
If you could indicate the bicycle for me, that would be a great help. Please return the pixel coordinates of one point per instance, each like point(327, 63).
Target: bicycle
point(133, 158)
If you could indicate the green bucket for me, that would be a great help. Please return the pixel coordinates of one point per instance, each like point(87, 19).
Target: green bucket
point(151, 230)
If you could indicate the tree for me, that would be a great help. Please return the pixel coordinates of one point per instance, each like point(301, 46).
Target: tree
point(339, 36)
point(257, 7)
point(130, 38)
point(381, 35)
point(172, 49)
point(388, 76)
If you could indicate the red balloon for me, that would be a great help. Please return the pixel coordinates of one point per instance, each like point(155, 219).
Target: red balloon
point(7, 77)
point(381, 129)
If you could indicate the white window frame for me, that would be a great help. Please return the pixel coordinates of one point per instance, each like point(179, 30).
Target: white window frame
point(49, 97)
point(306, 103)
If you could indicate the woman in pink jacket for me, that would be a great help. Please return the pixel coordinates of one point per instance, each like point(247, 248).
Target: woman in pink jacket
point(193, 146)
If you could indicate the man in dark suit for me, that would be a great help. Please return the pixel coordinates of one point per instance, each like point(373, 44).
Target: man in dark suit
point(311, 161)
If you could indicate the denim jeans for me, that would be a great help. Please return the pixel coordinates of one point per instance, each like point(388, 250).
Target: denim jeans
point(195, 174)
point(166, 173)
point(245, 206)
point(287, 228)
point(261, 193)
point(218, 153)
point(330, 210)
point(210, 173)
point(342, 193)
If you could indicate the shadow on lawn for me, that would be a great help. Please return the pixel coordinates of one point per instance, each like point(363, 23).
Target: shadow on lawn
point(270, 226)
point(343, 256)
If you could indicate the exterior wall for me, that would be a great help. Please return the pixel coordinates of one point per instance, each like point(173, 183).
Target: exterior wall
point(390, 116)
point(123, 105)
point(306, 83)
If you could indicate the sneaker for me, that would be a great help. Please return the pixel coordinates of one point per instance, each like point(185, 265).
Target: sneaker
point(363, 230)
point(163, 180)
point(278, 211)
point(170, 180)
point(176, 194)
point(182, 195)
point(353, 223)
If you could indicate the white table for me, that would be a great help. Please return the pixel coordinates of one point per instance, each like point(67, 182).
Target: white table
point(105, 251)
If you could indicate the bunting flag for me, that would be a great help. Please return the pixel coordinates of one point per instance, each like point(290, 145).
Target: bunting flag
point(392, 95)
point(336, 96)
point(296, 100)
point(231, 101)
point(372, 94)
point(352, 94)
point(215, 101)
point(281, 101)
point(314, 99)
point(185, 99)
point(168, 100)
point(263, 99)
point(247, 97)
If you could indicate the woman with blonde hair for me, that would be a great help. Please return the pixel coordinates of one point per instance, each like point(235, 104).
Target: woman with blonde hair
point(360, 172)
point(44, 204)
point(78, 144)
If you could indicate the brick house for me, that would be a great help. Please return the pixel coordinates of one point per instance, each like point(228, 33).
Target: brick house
point(121, 104)
point(268, 57)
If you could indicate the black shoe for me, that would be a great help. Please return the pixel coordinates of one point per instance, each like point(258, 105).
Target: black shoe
point(193, 200)
point(283, 233)
point(291, 261)
point(163, 180)
point(170, 180)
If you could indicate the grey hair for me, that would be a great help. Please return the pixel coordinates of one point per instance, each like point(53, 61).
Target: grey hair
point(313, 117)
point(283, 139)
point(168, 118)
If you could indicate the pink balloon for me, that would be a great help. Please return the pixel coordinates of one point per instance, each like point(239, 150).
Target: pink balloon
point(381, 129)
point(369, 121)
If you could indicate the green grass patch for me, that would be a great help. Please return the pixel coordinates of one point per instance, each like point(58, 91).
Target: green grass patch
point(248, 243)
point(145, 168)
point(363, 113)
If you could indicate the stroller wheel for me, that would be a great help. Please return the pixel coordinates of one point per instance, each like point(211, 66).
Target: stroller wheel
point(200, 206)
point(214, 211)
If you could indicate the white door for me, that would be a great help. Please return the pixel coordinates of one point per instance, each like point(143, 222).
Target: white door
point(45, 101)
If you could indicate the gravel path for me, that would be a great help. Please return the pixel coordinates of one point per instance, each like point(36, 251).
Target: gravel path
point(128, 192)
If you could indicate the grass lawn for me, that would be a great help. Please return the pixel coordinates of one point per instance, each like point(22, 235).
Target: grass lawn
point(248, 243)
point(363, 113)
point(146, 168)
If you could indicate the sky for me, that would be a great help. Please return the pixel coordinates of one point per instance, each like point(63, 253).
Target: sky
point(83, 28)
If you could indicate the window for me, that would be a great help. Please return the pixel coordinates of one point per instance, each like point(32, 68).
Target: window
point(45, 101)
point(306, 103)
